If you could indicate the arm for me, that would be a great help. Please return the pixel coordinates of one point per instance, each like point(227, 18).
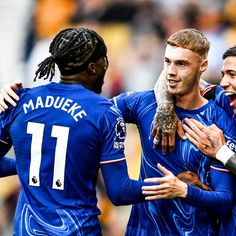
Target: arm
point(170, 187)
point(165, 120)
point(120, 188)
point(222, 196)
point(211, 141)
point(7, 166)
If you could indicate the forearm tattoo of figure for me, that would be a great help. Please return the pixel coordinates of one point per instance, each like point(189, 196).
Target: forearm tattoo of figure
point(166, 118)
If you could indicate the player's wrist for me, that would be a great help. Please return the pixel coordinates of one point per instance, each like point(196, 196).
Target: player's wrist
point(184, 191)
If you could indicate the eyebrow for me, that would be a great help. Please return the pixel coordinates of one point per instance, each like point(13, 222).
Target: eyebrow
point(229, 71)
point(177, 61)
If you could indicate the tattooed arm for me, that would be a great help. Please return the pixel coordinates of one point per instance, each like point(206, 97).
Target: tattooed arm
point(166, 122)
point(211, 141)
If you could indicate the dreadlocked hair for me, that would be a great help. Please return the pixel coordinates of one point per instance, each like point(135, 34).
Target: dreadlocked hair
point(45, 68)
point(71, 50)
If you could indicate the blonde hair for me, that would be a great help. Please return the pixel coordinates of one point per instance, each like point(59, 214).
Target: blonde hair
point(191, 39)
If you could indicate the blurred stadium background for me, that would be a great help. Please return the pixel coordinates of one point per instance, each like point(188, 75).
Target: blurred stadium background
point(135, 32)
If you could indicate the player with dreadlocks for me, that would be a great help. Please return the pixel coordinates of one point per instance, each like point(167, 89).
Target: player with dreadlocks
point(62, 134)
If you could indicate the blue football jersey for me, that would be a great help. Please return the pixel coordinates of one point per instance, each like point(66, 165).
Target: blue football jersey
point(61, 135)
point(174, 216)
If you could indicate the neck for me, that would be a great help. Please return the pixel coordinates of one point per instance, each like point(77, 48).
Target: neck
point(71, 79)
point(190, 102)
point(77, 79)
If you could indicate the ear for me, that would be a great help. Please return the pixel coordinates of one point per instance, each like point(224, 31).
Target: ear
point(204, 65)
point(92, 68)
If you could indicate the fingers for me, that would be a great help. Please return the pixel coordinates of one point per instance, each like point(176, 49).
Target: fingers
point(206, 139)
point(180, 130)
point(3, 108)
point(152, 180)
point(155, 192)
point(11, 92)
point(164, 170)
point(194, 131)
point(154, 197)
point(8, 94)
point(189, 131)
point(17, 85)
point(160, 180)
point(157, 138)
point(156, 141)
point(7, 98)
point(154, 131)
point(171, 143)
point(164, 143)
point(3, 105)
point(195, 125)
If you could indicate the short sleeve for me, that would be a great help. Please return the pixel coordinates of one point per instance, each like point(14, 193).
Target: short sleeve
point(113, 134)
point(128, 103)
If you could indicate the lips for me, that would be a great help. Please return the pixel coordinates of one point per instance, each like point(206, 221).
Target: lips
point(232, 98)
point(172, 82)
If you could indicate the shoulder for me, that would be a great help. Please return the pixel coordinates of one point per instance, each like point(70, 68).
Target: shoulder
point(136, 97)
point(209, 92)
point(214, 92)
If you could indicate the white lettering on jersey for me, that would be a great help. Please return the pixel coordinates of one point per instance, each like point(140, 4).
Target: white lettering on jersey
point(67, 105)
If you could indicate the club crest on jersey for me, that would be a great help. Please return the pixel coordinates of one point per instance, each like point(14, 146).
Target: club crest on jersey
point(120, 130)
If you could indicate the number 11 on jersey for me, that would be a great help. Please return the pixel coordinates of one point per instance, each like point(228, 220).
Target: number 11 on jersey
point(61, 133)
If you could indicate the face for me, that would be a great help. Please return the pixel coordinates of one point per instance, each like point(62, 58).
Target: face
point(183, 68)
point(228, 82)
point(102, 65)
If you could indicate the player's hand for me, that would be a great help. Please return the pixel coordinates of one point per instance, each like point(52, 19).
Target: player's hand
point(208, 139)
point(8, 94)
point(169, 186)
point(189, 177)
point(166, 124)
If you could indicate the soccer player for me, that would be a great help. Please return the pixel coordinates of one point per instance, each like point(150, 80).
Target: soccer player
point(185, 60)
point(181, 209)
point(62, 134)
point(212, 137)
point(210, 140)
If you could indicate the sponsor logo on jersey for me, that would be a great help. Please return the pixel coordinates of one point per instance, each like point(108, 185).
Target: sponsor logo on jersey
point(231, 145)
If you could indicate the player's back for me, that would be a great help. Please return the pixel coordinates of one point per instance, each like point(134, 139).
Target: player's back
point(57, 141)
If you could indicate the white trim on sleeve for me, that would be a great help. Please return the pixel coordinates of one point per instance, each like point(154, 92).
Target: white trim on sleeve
point(224, 153)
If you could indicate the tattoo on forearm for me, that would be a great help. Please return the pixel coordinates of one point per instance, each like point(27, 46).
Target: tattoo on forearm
point(166, 118)
point(161, 91)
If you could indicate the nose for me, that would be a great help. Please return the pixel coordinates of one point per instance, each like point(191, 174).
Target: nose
point(225, 81)
point(171, 69)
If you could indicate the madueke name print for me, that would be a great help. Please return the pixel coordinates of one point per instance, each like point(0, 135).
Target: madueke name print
point(65, 104)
